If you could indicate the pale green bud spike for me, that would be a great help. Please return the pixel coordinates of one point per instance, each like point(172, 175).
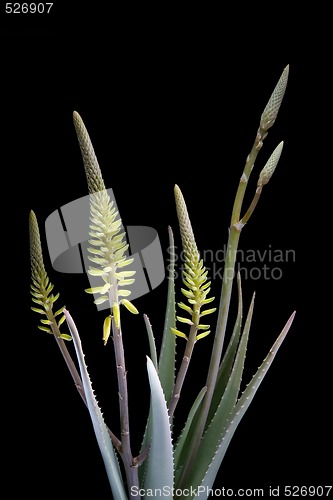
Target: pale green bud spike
point(91, 166)
point(185, 226)
point(41, 288)
point(38, 273)
point(271, 110)
point(270, 166)
point(129, 306)
point(106, 329)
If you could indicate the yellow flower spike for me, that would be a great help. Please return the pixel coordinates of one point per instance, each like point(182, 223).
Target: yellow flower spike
point(116, 314)
point(129, 306)
point(41, 287)
point(106, 329)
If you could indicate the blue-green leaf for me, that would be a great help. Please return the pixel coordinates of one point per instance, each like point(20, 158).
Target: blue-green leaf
point(237, 413)
point(160, 461)
point(151, 339)
point(101, 432)
point(210, 439)
point(168, 349)
point(181, 446)
point(229, 356)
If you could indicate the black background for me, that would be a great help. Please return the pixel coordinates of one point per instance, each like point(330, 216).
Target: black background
point(170, 99)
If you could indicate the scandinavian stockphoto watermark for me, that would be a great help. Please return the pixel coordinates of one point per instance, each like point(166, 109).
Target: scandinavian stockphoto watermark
point(67, 235)
point(253, 264)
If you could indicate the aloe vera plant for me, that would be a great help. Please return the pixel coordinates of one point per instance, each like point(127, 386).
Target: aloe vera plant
point(167, 465)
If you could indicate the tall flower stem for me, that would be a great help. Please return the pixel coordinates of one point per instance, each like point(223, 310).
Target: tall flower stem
point(183, 370)
point(131, 469)
point(267, 120)
point(228, 276)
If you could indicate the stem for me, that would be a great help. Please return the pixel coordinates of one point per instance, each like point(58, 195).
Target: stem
point(74, 373)
point(228, 276)
point(251, 208)
point(131, 469)
point(183, 370)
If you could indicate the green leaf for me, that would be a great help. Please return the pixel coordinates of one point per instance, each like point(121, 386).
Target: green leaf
point(168, 349)
point(229, 356)
point(204, 475)
point(181, 447)
point(101, 432)
point(160, 461)
point(151, 339)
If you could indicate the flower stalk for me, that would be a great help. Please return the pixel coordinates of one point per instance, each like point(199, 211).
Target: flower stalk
point(108, 253)
point(196, 292)
point(268, 118)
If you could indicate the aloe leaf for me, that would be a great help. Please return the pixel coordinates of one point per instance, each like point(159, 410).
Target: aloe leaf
point(147, 435)
point(229, 356)
point(181, 446)
point(168, 349)
point(227, 402)
point(205, 474)
point(151, 339)
point(101, 432)
point(160, 461)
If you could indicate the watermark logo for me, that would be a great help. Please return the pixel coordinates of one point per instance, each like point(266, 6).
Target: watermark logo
point(67, 235)
point(253, 264)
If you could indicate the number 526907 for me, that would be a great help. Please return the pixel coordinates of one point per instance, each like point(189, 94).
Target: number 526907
point(28, 8)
